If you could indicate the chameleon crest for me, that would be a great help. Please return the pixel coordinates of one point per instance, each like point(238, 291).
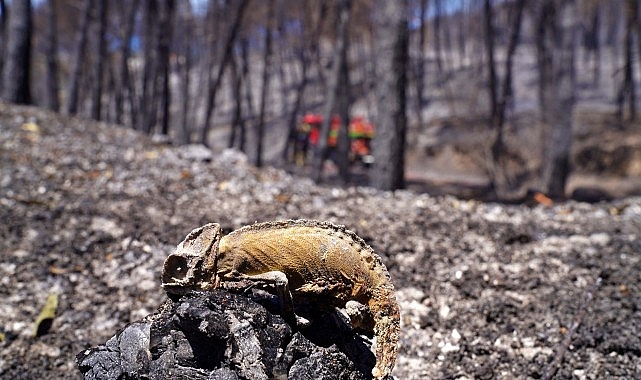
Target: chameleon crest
point(302, 258)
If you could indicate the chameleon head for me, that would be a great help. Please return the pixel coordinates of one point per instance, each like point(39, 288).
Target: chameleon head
point(192, 264)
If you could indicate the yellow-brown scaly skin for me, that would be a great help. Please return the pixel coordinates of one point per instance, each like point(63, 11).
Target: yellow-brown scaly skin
point(319, 259)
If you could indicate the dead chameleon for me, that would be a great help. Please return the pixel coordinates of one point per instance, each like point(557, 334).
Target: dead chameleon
point(298, 258)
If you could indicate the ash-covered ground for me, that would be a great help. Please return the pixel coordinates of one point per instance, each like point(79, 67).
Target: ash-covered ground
point(487, 291)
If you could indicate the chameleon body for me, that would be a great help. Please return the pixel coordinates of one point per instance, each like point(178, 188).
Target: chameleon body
point(320, 260)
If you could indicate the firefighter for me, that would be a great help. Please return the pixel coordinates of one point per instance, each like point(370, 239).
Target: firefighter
point(361, 133)
point(306, 133)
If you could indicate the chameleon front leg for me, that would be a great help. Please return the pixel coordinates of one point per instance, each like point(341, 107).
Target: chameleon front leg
point(274, 282)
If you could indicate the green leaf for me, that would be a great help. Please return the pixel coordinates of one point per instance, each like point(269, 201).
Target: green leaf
point(45, 318)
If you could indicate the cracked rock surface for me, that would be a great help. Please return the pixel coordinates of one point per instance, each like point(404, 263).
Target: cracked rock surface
point(215, 335)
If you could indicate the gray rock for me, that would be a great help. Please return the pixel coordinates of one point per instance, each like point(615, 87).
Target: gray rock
point(196, 152)
point(219, 335)
point(126, 354)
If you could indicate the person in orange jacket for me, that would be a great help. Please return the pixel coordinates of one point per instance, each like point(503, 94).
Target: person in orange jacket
point(306, 134)
point(361, 133)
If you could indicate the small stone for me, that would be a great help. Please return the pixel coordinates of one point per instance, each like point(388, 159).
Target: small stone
point(456, 336)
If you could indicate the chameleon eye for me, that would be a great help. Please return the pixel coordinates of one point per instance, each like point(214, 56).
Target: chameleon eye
point(176, 268)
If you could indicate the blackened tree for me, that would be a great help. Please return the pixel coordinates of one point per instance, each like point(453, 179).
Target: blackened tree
point(17, 67)
point(555, 41)
point(391, 46)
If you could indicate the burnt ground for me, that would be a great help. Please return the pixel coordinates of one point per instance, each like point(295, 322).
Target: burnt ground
point(487, 291)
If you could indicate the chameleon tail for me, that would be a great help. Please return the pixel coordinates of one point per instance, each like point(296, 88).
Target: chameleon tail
point(387, 329)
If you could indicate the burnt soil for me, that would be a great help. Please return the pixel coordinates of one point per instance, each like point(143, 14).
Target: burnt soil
point(487, 291)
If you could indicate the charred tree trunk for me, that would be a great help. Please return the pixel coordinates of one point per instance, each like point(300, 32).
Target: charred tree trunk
point(281, 60)
point(259, 128)
point(124, 86)
point(489, 49)
point(555, 48)
point(420, 64)
point(78, 59)
point(316, 38)
point(298, 102)
point(592, 41)
point(53, 101)
point(3, 37)
point(343, 99)
point(214, 81)
point(148, 103)
point(246, 75)
point(462, 36)
point(183, 133)
point(507, 91)
point(497, 170)
point(447, 45)
point(164, 52)
point(627, 93)
point(437, 37)
point(391, 39)
point(334, 88)
point(237, 135)
point(634, 5)
point(17, 69)
point(100, 54)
